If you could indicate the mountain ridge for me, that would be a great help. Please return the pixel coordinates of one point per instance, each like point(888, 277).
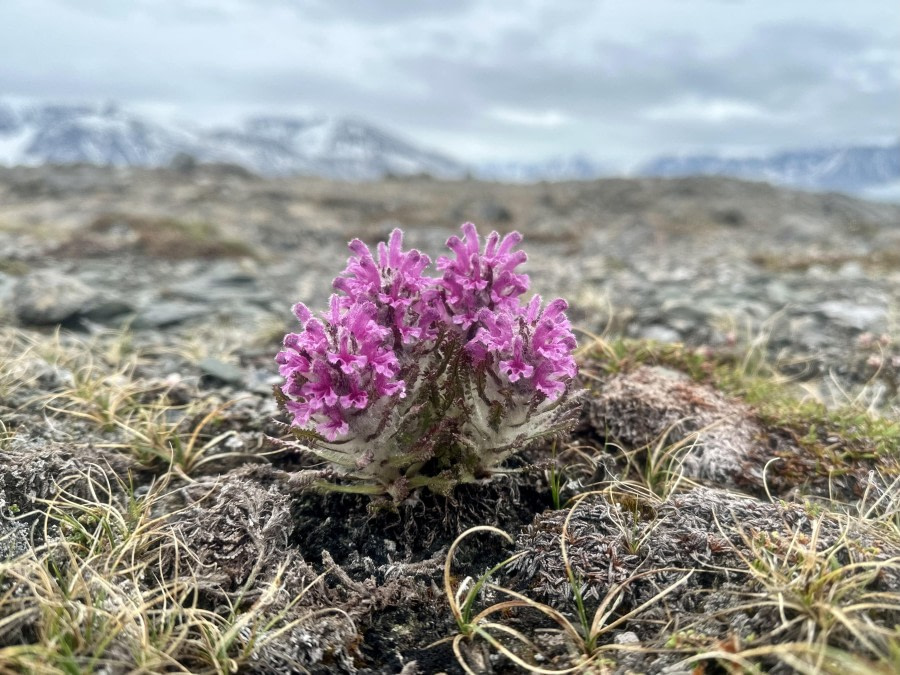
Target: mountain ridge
point(851, 169)
point(332, 147)
point(353, 149)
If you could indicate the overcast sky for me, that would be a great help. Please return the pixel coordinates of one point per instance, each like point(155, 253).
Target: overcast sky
point(615, 80)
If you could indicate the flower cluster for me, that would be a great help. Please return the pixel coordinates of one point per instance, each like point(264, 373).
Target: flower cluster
point(410, 380)
point(529, 344)
point(335, 368)
point(476, 281)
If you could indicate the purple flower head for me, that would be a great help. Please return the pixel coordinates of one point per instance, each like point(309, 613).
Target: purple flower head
point(393, 283)
point(336, 367)
point(476, 280)
point(531, 347)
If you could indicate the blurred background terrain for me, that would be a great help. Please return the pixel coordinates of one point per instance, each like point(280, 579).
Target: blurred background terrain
point(812, 280)
point(715, 172)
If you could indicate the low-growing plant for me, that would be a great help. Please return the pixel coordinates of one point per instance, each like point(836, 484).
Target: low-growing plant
point(137, 416)
point(411, 381)
point(582, 635)
point(606, 616)
point(831, 605)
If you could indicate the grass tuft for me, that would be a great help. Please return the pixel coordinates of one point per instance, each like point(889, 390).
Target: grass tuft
point(115, 588)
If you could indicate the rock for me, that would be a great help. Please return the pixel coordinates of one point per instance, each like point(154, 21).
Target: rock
point(729, 216)
point(222, 282)
point(47, 376)
point(164, 314)
point(225, 372)
point(7, 292)
point(13, 535)
point(852, 270)
point(107, 307)
point(778, 292)
point(482, 211)
point(47, 297)
point(660, 333)
point(684, 318)
point(627, 637)
point(868, 318)
point(494, 212)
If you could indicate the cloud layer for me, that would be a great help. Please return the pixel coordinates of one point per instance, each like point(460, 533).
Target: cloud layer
point(612, 80)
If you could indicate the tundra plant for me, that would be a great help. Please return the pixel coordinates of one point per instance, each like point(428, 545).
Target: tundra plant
point(410, 380)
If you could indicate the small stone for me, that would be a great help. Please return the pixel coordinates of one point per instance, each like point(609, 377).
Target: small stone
point(222, 371)
point(47, 297)
point(106, 307)
point(852, 270)
point(494, 213)
point(627, 637)
point(870, 318)
point(778, 292)
point(163, 314)
point(660, 333)
point(731, 217)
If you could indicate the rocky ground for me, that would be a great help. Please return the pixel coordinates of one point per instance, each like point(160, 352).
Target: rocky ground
point(732, 522)
point(707, 261)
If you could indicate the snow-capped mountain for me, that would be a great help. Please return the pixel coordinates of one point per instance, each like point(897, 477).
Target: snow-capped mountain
point(352, 149)
point(81, 133)
point(107, 134)
point(335, 147)
point(849, 169)
point(872, 171)
point(575, 167)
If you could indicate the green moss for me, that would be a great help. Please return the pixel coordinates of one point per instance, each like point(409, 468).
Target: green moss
point(13, 268)
point(623, 354)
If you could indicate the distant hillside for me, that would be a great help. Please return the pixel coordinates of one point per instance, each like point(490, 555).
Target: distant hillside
point(109, 135)
point(342, 148)
point(872, 171)
point(576, 167)
point(850, 169)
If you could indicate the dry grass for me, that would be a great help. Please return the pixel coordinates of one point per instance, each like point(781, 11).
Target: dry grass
point(156, 421)
point(114, 588)
point(882, 260)
point(830, 614)
point(154, 236)
point(832, 604)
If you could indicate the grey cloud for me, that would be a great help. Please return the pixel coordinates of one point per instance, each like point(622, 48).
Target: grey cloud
point(383, 11)
point(790, 71)
point(441, 70)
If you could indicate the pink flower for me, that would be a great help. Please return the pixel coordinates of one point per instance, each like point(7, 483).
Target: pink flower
point(333, 426)
point(388, 320)
point(516, 368)
point(473, 280)
point(394, 283)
